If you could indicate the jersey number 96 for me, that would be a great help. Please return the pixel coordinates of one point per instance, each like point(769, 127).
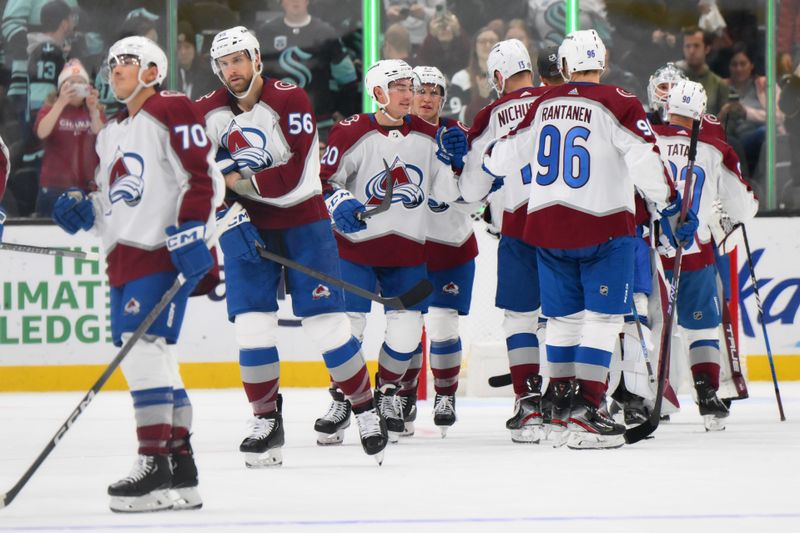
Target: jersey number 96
point(576, 158)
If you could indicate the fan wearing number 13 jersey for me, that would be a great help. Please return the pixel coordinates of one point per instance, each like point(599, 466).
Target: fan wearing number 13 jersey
point(585, 147)
point(266, 140)
point(716, 175)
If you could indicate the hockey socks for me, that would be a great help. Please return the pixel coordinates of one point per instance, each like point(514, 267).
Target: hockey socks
point(392, 365)
point(523, 359)
point(153, 412)
point(348, 371)
point(410, 380)
point(446, 365)
point(260, 371)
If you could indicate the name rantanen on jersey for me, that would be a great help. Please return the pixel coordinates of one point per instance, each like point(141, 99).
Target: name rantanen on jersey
point(567, 112)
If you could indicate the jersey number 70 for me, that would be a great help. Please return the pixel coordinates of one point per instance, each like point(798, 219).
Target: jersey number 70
point(576, 158)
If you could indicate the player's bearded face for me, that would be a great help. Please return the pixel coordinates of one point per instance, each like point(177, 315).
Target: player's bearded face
point(237, 69)
point(401, 95)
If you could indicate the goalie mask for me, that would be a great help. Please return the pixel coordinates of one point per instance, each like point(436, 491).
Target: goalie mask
point(230, 41)
point(659, 86)
point(142, 52)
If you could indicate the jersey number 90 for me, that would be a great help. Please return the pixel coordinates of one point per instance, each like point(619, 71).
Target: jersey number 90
point(576, 158)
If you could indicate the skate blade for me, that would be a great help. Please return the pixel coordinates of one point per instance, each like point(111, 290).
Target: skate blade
point(409, 429)
point(186, 499)
point(157, 500)
point(269, 458)
point(443, 430)
point(712, 423)
point(559, 438)
point(581, 440)
point(394, 437)
point(526, 435)
point(378, 458)
point(324, 439)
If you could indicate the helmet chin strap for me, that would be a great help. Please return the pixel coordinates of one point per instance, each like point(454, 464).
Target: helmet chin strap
point(383, 107)
point(139, 86)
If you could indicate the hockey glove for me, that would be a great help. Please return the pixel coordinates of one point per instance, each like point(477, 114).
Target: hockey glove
point(188, 250)
point(683, 233)
point(2, 221)
point(73, 211)
point(240, 238)
point(342, 207)
point(453, 147)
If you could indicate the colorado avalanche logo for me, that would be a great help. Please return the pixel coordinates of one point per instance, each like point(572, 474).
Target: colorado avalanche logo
point(126, 180)
point(248, 147)
point(436, 206)
point(451, 289)
point(407, 185)
point(320, 292)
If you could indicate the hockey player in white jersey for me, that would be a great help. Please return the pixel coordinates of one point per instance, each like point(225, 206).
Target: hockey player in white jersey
point(510, 71)
point(716, 176)
point(158, 187)
point(584, 146)
point(450, 250)
point(364, 152)
point(266, 140)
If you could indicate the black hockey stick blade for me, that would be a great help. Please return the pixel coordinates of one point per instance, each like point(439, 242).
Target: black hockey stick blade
point(501, 380)
point(386, 203)
point(41, 250)
point(411, 297)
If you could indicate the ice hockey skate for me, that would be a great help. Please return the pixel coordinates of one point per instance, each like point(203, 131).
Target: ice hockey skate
point(711, 407)
point(592, 428)
point(444, 412)
point(559, 396)
point(330, 426)
point(526, 424)
point(262, 446)
point(145, 489)
point(408, 406)
point(388, 405)
point(372, 430)
point(184, 482)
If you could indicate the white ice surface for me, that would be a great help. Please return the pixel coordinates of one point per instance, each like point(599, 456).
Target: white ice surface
point(746, 478)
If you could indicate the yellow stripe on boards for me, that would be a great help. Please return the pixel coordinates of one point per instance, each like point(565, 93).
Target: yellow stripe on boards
point(195, 376)
point(787, 367)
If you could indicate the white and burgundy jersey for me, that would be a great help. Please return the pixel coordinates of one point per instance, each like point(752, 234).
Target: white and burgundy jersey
point(450, 239)
point(717, 175)
point(492, 122)
point(582, 147)
point(5, 167)
point(156, 169)
point(354, 160)
point(274, 145)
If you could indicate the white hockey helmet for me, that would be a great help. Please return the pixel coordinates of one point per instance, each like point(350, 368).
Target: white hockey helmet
point(508, 58)
point(580, 51)
point(669, 74)
point(230, 41)
point(384, 72)
point(147, 53)
point(431, 76)
point(687, 99)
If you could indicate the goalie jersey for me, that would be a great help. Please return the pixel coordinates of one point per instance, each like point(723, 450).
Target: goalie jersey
point(274, 145)
point(582, 147)
point(156, 169)
point(494, 121)
point(354, 160)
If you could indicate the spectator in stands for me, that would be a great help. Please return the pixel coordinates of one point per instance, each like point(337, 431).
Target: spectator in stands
point(306, 51)
point(140, 24)
point(414, 15)
point(396, 43)
point(446, 47)
point(788, 36)
point(789, 104)
point(195, 77)
point(68, 125)
point(745, 116)
point(696, 46)
point(469, 89)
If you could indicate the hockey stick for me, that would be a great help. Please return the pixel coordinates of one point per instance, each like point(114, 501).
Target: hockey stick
point(644, 430)
point(643, 344)
point(57, 252)
point(151, 317)
point(502, 380)
point(386, 203)
point(763, 323)
point(411, 297)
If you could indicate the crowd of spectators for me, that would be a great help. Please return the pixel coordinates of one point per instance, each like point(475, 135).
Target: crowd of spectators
point(49, 114)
